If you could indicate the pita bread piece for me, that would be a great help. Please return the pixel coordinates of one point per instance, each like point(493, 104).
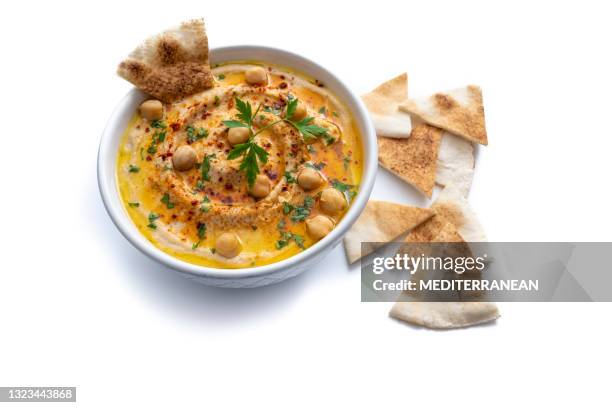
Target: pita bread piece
point(413, 159)
point(382, 103)
point(459, 111)
point(452, 205)
point(453, 219)
point(171, 65)
point(380, 222)
point(444, 315)
point(455, 166)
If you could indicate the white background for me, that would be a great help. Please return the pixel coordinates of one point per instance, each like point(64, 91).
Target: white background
point(80, 307)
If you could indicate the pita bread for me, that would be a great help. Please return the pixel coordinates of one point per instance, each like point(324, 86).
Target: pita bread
point(452, 205)
point(454, 222)
point(455, 166)
point(380, 222)
point(171, 65)
point(444, 315)
point(413, 159)
point(459, 111)
point(383, 103)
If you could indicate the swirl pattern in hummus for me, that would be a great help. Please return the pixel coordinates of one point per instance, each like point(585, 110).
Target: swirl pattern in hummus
point(183, 213)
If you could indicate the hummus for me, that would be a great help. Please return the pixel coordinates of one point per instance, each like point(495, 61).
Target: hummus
point(184, 213)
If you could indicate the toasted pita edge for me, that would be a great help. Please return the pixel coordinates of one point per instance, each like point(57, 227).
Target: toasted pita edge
point(445, 315)
point(459, 111)
point(171, 65)
point(381, 221)
point(382, 103)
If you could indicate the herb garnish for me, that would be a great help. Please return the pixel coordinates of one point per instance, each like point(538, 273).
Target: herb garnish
point(317, 166)
point(201, 235)
point(287, 208)
point(347, 161)
point(290, 178)
point(221, 77)
point(133, 205)
point(205, 166)
point(286, 237)
point(166, 200)
point(152, 218)
point(194, 134)
point(133, 169)
point(205, 207)
point(217, 100)
point(250, 151)
point(303, 211)
point(158, 124)
point(347, 189)
point(305, 126)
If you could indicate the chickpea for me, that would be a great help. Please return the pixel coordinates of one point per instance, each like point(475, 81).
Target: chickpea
point(237, 135)
point(300, 112)
point(152, 109)
point(309, 178)
point(228, 245)
point(319, 226)
point(184, 158)
point(261, 188)
point(332, 201)
point(256, 76)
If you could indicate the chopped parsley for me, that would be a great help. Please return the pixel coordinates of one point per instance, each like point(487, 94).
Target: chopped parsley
point(217, 100)
point(290, 177)
point(194, 134)
point(287, 208)
point(166, 200)
point(347, 189)
point(133, 169)
point(158, 124)
point(134, 205)
point(317, 166)
point(205, 207)
point(205, 167)
point(152, 218)
point(322, 110)
point(347, 161)
point(303, 211)
point(286, 237)
point(221, 77)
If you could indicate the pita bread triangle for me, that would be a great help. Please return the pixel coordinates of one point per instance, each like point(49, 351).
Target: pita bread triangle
point(383, 103)
point(454, 222)
point(381, 222)
point(413, 159)
point(171, 65)
point(459, 111)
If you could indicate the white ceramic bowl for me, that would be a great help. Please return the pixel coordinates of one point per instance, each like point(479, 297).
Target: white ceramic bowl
point(245, 277)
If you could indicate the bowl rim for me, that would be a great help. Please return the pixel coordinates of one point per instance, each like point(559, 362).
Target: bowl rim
point(109, 191)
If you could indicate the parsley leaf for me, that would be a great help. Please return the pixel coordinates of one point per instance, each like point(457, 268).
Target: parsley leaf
point(166, 200)
point(133, 169)
point(133, 205)
point(287, 208)
point(251, 153)
point(158, 124)
point(205, 166)
point(347, 189)
point(290, 178)
point(194, 134)
point(152, 218)
point(303, 211)
point(234, 123)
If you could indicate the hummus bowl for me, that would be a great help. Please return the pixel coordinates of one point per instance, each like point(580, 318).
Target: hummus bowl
point(176, 208)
